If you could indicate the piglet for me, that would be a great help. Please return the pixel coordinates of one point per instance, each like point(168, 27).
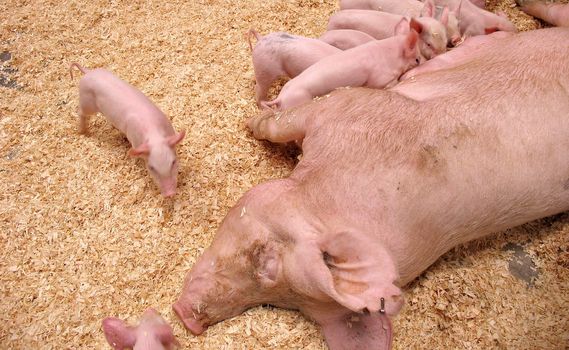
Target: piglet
point(283, 55)
point(149, 131)
point(554, 13)
point(410, 8)
point(474, 20)
point(380, 25)
point(478, 3)
point(345, 38)
point(376, 64)
point(461, 54)
point(152, 333)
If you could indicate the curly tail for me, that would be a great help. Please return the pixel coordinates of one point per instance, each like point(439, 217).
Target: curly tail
point(256, 34)
point(75, 64)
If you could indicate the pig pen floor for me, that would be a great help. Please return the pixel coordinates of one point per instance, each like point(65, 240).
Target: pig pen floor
point(84, 233)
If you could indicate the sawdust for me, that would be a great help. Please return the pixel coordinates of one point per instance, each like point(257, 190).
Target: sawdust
point(85, 234)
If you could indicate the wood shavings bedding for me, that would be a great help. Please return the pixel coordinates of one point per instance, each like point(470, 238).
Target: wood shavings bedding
point(85, 234)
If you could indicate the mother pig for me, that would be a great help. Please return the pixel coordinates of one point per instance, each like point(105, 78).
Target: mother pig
point(387, 185)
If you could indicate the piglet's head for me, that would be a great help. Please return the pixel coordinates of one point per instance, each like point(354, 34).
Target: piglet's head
point(453, 29)
point(265, 252)
point(410, 53)
point(433, 33)
point(152, 333)
point(160, 156)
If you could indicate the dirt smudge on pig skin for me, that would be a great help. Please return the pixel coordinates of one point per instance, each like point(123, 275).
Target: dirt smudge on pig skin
point(429, 159)
point(566, 185)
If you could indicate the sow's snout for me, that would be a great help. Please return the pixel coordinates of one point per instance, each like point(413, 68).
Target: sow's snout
point(194, 319)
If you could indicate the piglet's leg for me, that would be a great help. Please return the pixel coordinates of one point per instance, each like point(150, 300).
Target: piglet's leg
point(264, 78)
point(276, 126)
point(83, 122)
point(554, 13)
point(87, 107)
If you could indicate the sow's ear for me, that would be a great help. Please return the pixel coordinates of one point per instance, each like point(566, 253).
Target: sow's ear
point(356, 272)
point(118, 334)
point(267, 262)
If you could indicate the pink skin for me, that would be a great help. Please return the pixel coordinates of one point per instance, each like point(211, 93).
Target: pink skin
point(381, 25)
point(479, 3)
point(386, 186)
point(345, 38)
point(554, 13)
point(375, 64)
point(152, 333)
point(149, 131)
point(410, 8)
point(283, 55)
point(456, 56)
point(474, 20)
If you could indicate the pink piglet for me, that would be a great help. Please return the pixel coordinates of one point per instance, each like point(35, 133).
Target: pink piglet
point(375, 64)
point(152, 333)
point(149, 131)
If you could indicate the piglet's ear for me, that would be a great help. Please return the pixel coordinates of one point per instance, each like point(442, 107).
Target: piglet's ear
point(410, 48)
point(118, 334)
point(354, 271)
point(176, 138)
point(166, 336)
point(491, 30)
point(502, 14)
point(402, 27)
point(416, 25)
point(458, 8)
point(428, 9)
point(140, 151)
point(444, 16)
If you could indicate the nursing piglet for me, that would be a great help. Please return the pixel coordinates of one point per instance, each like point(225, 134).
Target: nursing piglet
point(376, 64)
point(410, 8)
point(456, 56)
point(554, 13)
point(149, 131)
point(152, 333)
point(380, 25)
point(345, 38)
point(478, 3)
point(476, 21)
point(283, 55)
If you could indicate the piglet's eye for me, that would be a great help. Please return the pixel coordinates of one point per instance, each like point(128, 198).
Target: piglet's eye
point(151, 168)
point(173, 162)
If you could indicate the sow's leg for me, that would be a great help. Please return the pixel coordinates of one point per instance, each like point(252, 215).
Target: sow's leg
point(275, 126)
point(554, 13)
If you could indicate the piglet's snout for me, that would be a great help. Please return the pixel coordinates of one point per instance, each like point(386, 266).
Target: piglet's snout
point(168, 188)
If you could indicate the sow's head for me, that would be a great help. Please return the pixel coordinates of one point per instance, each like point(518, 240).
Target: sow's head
point(269, 250)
